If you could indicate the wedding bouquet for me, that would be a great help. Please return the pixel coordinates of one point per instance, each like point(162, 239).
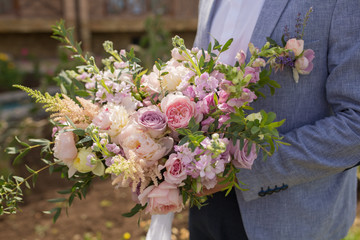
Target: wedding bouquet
point(167, 133)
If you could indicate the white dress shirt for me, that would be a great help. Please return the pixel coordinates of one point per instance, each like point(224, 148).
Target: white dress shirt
point(235, 19)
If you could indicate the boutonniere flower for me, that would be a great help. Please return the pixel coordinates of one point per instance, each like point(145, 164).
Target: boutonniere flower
point(297, 58)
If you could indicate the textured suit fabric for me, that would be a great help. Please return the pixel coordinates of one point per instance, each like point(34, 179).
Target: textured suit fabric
point(317, 175)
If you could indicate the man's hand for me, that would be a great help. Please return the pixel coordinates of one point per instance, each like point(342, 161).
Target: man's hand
point(218, 187)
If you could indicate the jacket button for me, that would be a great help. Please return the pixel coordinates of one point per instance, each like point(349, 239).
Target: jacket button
point(284, 187)
point(277, 189)
point(269, 191)
point(262, 193)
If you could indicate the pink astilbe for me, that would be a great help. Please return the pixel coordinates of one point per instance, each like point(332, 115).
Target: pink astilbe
point(81, 116)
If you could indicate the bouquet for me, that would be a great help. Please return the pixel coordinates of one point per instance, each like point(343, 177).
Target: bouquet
point(167, 134)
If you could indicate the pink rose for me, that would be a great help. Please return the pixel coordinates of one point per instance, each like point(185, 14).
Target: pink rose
point(178, 109)
point(243, 159)
point(162, 199)
point(297, 46)
point(304, 64)
point(65, 149)
point(175, 170)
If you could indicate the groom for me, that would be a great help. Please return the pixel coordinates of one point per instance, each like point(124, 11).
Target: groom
point(306, 191)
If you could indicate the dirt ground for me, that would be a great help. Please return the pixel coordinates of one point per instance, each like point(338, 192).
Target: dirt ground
point(98, 217)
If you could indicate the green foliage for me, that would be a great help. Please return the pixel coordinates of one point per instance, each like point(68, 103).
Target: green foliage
point(155, 44)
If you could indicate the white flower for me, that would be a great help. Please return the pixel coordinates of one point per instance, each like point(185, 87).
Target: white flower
point(134, 139)
point(253, 116)
point(119, 118)
point(81, 163)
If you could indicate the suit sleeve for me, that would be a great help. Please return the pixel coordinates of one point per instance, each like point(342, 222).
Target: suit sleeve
point(331, 145)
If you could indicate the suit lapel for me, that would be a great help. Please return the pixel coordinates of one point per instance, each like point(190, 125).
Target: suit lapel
point(268, 18)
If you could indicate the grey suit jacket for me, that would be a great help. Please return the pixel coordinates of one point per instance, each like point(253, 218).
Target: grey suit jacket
point(307, 190)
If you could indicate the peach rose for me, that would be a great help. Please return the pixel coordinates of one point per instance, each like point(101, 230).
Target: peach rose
point(297, 46)
point(65, 149)
point(162, 199)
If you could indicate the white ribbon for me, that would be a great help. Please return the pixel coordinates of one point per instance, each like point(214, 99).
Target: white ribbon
point(160, 227)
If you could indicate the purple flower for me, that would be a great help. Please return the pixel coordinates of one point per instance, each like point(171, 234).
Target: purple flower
point(254, 72)
point(206, 123)
point(226, 108)
point(223, 96)
point(304, 64)
point(246, 96)
point(242, 159)
point(153, 120)
point(112, 147)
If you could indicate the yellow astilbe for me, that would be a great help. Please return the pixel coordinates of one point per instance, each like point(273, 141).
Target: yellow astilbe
point(51, 103)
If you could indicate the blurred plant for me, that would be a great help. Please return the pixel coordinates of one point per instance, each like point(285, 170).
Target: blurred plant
point(9, 73)
point(155, 44)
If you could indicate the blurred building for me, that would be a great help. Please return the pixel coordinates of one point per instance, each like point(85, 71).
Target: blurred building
point(25, 25)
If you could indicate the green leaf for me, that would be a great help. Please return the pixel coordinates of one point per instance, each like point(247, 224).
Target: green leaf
point(21, 155)
point(34, 178)
point(57, 214)
point(227, 45)
point(18, 179)
point(57, 200)
point(66, 191)
point(134, 210)
point(272, 42)
point(79, 132)
point(21, 142)
point(30, 170)
point(270, 117)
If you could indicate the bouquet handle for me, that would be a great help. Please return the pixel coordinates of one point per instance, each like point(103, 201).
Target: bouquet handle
point(160, 227)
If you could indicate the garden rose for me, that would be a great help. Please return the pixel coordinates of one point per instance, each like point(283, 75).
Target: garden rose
point(178, 109)
point(102, 120)
point(243, 159)
point(162, 199)
point(64, 148)
point(175, 170)
point(297, 46)
point(152, 120)
point(135, 139)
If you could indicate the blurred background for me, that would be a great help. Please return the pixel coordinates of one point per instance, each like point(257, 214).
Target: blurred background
point(29, 56)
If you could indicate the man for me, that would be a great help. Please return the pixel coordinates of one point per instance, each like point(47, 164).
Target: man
point(306, 190)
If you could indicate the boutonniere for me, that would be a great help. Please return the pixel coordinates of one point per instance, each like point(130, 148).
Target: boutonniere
point(298, 58)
